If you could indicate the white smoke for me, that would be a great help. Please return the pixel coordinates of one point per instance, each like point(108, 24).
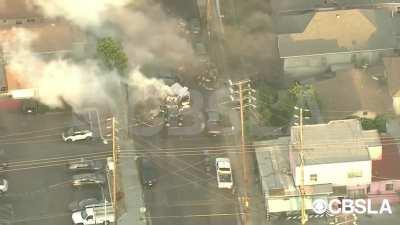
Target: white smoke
point(147, 88)
point(56, 80)
point(82, 12)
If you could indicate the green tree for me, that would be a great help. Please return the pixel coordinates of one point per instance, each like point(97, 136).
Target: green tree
point(379, 123)
point(266, 96)
point(112, 55)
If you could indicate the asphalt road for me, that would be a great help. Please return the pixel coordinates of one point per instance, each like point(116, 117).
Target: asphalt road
point(186, 194)
point(39, 182)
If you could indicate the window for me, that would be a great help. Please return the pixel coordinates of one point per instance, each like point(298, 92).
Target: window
point(313, 177)
point(354, 174)
point(389, 187)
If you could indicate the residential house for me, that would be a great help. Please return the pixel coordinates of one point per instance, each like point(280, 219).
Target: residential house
point(312, 43)
point(337, 153)
point(386, 173)
point(19, 12)
point(302, 6)
point(353, 92)
point(280, 192)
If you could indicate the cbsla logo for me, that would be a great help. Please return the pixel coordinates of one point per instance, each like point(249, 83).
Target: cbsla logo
point(350, 206)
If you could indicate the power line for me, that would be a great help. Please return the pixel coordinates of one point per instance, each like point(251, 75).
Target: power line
point(192, 151)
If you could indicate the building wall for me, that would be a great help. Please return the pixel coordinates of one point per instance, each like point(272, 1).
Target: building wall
point(379, 187)
point(290, 203)
point(336, 173)
point(378, 191)
point(312, 65)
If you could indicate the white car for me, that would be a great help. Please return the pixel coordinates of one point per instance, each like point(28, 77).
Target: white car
point(224, 173)
point(72, 135)
point(3, 185)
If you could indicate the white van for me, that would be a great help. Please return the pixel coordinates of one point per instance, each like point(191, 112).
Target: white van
point(98, 214)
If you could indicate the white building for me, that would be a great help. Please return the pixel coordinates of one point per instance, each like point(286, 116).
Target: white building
point(337, 163)
point(281, 194)
point(337, 153)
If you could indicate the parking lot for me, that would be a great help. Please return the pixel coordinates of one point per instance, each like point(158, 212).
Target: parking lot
point(36, 160)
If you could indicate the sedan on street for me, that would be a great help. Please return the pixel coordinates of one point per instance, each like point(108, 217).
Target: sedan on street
point(87, 179)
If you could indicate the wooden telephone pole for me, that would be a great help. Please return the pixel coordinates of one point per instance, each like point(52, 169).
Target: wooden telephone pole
point(243, 94)
point(304, 218)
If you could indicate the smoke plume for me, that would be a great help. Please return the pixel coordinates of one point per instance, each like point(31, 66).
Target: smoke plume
point(56, 80)
point(146, 31)
point(84, 13)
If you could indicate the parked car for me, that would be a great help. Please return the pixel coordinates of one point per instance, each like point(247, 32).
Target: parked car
point(213, 124)
point(94, 215)
point(72, 135)
point(224, 173)
point(87, 179)
point(195, 26)
point(3, 185)
point(81, 204)
point(29, 106)
point(85, 165)
point(148, 172)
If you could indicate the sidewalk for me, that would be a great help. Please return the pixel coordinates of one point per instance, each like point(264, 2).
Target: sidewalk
point(133, 196)
point(256, 214)
point(129, 176)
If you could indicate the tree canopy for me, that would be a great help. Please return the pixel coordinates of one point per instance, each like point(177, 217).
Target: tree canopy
point(112, 55)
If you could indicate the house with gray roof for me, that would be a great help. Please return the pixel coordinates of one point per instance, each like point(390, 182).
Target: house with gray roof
point(317, 42)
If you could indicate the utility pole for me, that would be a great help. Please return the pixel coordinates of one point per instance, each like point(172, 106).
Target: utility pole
point(115, 161)
point(243, 94)
point(301, 117)
point(115, 169)
point(304, 218)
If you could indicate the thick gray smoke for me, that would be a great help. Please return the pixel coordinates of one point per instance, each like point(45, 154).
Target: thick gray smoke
point(148, 34)
point(146, 31)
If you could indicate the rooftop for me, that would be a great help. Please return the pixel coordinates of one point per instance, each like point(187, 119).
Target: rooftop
point(15, 9)
point(335, 142)
point(276, 178)
point(50, 36)
point(337, 31)
point(273, 161)
point(352, 91)
point(388, 168)
point(280, 6)
point(392, 68)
